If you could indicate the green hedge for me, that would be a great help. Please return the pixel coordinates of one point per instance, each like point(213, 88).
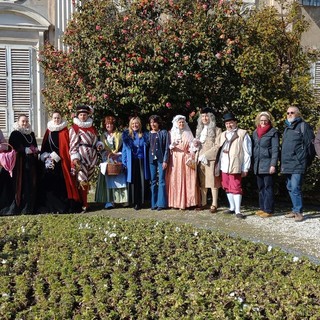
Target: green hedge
point(93, 267)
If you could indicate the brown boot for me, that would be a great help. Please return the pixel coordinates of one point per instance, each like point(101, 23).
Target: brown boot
point(266, 215)
point(213, 209)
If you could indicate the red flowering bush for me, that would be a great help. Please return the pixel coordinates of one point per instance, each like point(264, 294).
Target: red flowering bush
point(175, 56)
point(166, 57)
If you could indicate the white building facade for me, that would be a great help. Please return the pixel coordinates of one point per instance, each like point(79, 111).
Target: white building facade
point(25, 26)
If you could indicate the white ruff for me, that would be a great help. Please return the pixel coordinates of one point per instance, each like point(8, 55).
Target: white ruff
point(56, 127)
point(83, 124)
point(23, 130)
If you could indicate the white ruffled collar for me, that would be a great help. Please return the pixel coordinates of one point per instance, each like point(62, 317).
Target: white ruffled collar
point(22, 130)
point(83, 124)
point(56, 127)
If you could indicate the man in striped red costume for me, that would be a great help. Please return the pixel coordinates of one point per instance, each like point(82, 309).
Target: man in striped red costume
point(83, 150)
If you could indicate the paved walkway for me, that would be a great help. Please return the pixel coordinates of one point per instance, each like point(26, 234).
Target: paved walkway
point(298, 238)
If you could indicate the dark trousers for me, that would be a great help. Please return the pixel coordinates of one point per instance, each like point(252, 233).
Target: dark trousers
point(265, 184)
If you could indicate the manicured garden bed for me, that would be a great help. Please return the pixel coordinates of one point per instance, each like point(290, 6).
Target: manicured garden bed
point(93, 267)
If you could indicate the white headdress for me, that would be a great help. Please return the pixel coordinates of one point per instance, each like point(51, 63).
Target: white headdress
point(176, 133)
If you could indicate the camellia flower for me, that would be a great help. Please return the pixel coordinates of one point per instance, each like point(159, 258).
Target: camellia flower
point(219, 55)
point(168, 105)
point(180, 74)
point(98, 28)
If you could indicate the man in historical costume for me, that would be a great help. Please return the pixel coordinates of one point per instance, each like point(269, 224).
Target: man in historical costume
point(207, 142)
point(83, 152)
point(234, 162)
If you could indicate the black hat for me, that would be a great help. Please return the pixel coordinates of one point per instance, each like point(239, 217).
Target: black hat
point(206, 110)
point(229, 117)
point(83, 108)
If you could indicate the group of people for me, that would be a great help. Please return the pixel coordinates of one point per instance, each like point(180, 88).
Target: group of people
point(168, 169)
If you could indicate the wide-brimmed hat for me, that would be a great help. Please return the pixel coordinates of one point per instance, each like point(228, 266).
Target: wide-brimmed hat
point(83, 108)
point(206, 110)
point(229, 117)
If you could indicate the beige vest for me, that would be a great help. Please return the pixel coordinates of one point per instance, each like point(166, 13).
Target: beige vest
point(236, 156)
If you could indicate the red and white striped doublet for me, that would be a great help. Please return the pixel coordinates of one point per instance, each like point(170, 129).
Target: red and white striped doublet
point(83, 140)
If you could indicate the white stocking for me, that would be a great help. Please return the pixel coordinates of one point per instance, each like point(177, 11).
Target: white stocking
point(231, 201)
point(237, 201)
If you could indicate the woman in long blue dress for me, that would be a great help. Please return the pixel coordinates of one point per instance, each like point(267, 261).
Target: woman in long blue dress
point(135, 160)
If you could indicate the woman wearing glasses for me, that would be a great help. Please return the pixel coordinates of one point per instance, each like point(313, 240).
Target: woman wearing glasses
point(265, 158)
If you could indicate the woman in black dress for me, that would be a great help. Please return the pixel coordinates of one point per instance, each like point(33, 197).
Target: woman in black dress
point(25, 172)
point(58, 192)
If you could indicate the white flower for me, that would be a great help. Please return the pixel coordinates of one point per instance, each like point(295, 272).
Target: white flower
point(295, 259)
point(5, 295)
point(232, 294)
point(178, 229)
point(112, 235)
point(105, 239)
point(80, 226)
point(269, 248)
point(195, 233)
point(4, 261)
point(240, 299)
point(23, 229)
point(125, 238)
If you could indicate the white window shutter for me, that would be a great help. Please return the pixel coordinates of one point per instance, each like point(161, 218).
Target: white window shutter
point(15, 85)
point(316, 78)
point(21, 80)
point(3, 91)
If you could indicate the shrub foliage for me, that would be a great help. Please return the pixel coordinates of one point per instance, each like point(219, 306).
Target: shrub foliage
point(91, 267)
point(171, 57)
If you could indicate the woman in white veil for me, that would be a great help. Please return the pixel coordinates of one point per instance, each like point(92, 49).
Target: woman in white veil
point(183, 191)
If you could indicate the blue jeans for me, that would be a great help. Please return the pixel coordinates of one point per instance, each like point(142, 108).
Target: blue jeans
point(266, 196)
point(294, 184)
point(158, 185)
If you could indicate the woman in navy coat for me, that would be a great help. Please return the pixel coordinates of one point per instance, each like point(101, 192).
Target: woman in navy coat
point(158, 161)
point(265, 158)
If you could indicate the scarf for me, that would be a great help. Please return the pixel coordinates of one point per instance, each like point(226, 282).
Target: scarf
point(263, 130)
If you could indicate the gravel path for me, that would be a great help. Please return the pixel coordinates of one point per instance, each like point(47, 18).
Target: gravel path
point(298, 238)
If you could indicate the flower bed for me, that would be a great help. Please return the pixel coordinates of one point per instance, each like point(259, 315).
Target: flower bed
point(93, 267)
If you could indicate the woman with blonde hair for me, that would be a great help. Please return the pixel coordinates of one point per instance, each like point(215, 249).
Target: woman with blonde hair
point(135, 160)
point(265, 159)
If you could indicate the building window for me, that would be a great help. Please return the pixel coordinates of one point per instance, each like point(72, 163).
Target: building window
point(15, 85)
point(312, 3)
